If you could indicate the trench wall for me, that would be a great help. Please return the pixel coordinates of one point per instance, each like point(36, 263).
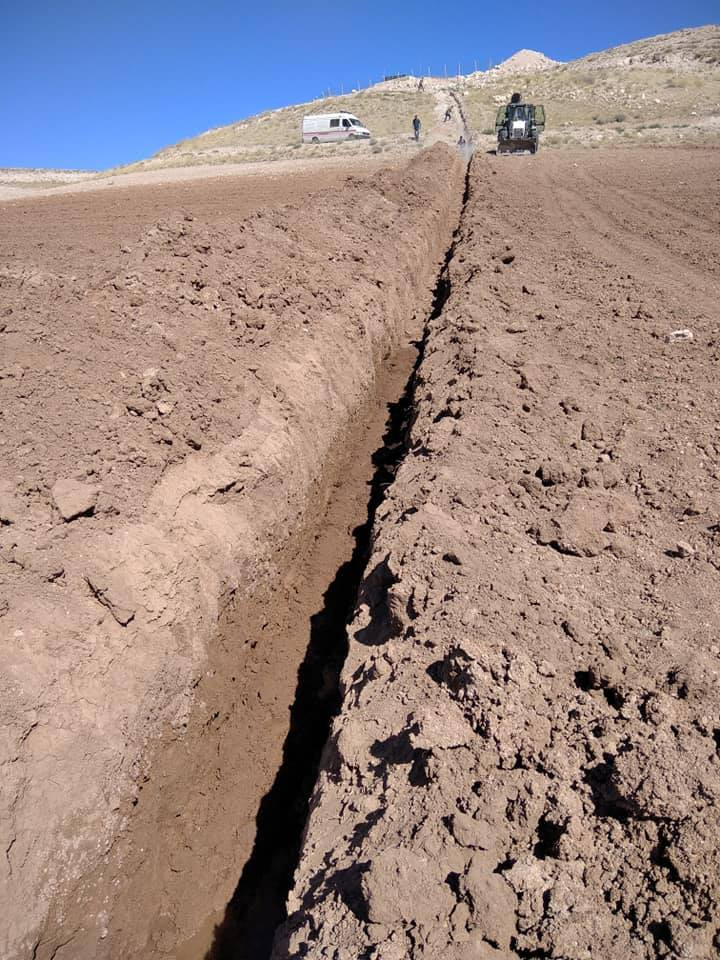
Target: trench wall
point(525, 764)
point(221, 363)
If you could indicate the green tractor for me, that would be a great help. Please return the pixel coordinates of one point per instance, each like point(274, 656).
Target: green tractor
point(518, 126)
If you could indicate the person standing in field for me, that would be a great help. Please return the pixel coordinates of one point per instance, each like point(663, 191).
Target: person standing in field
point(416, 127)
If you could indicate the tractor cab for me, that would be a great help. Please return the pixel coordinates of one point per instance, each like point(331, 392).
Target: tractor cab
point(518, 127)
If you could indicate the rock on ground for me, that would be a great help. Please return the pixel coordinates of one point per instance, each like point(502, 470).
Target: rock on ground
point(73, 499)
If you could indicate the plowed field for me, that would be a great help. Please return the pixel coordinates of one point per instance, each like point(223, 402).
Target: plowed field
point(524, 759)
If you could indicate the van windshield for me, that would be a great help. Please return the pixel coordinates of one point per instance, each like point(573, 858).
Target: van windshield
point(355, 122)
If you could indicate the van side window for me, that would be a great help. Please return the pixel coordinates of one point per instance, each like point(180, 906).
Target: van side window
point(346, 123)
point(335, 123)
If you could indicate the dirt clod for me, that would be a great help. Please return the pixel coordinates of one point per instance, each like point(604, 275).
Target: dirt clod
point(73, 498)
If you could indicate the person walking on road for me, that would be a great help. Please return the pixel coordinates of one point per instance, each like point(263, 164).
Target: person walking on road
point(416, 127)
point(448, 114)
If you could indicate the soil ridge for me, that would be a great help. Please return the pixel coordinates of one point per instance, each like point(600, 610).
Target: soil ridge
point(244, 350)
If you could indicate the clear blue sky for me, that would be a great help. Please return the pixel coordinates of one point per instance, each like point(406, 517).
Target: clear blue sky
point(94, 83)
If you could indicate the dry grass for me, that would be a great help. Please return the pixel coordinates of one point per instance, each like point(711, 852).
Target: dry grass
point(276, 135)
point(660, 90)
point(683, 49)
point(611, 104)
point(385, 113)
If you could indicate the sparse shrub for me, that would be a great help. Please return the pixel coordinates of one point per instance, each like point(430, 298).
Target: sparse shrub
point(376, 148)
point(654, 126)
point(619, 117)
point(488, 131)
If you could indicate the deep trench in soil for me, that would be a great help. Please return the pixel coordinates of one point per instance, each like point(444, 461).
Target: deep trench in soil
point(257, 906)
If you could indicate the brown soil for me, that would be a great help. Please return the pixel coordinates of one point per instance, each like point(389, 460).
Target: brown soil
point(214, 777)
point(177, 391)
point(192, 379)
point(82, 233)
point(526, 763)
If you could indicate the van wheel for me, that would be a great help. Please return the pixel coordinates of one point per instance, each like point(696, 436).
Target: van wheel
point(315, 140)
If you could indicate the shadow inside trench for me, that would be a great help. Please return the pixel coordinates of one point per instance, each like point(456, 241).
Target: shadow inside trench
point(257, 907)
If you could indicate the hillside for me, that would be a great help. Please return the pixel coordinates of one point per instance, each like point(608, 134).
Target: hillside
point(663, 90)
point(275, 134)
point(524, 61)
point(684, 50)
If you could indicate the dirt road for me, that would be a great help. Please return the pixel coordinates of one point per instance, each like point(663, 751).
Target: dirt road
point(526, 762)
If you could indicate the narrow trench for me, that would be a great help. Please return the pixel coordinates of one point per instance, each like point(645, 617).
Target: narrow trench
point(466, 128)
point(257, 907)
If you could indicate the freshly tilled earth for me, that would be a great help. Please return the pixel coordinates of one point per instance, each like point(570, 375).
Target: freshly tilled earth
point(527, 760)
point(173, 388)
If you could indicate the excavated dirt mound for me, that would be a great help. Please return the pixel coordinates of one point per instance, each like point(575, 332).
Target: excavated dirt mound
point(527, 761)
point(176, 374)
